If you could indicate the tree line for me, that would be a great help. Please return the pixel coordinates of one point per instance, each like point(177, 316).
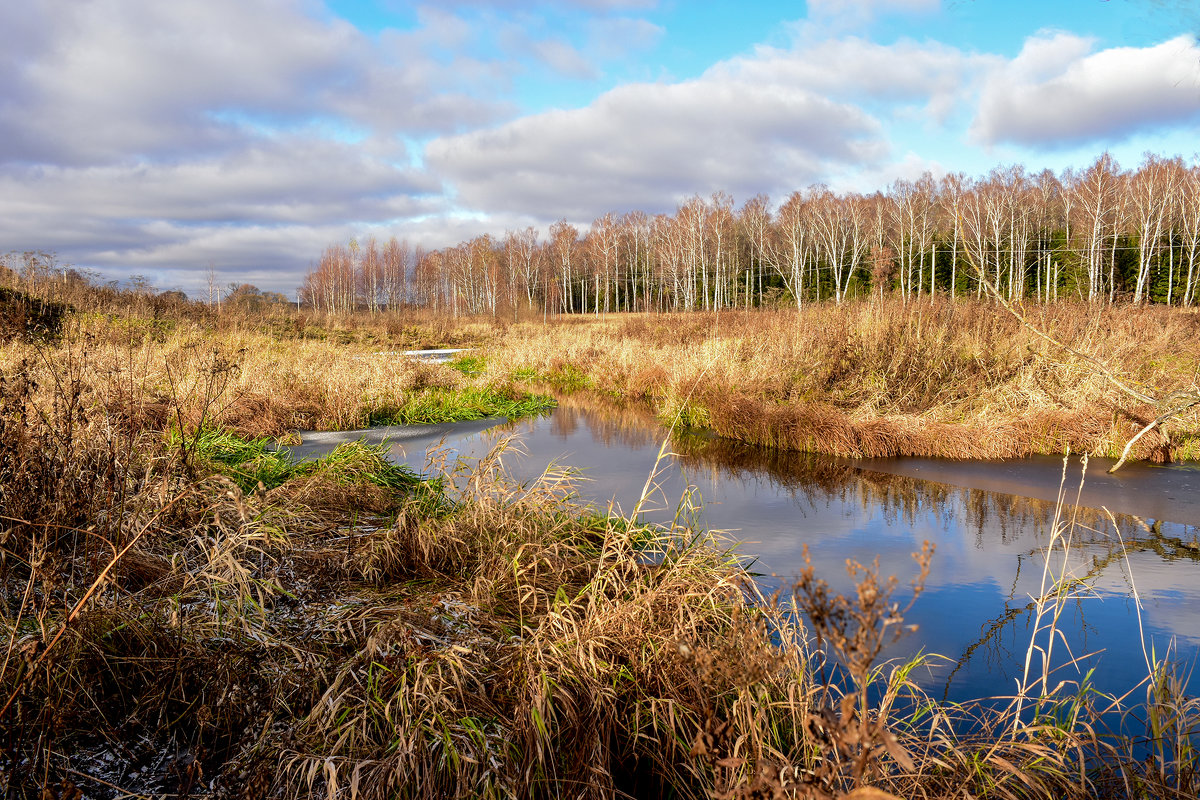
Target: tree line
point(1099, 234)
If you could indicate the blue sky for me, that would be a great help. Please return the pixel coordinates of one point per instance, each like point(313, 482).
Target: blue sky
point(159, 139)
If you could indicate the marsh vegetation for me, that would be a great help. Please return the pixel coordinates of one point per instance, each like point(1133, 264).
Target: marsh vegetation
point(186, 611)
point(956, 379)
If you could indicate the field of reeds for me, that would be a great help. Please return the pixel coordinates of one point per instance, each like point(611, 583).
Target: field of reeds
point(186, 612)
point(961, 379)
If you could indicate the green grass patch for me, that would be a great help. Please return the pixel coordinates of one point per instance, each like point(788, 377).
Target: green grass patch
point(1187, 446)
point(356, 462)
point(568, 378)
point(685, 413)
point(469, 364)
point(460, 405)
point(525, 374)
point(254, 466)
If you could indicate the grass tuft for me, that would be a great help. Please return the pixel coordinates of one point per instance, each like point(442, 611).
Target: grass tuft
point(443, 405)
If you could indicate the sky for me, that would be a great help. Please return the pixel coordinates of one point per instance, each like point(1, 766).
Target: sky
point(168, 139)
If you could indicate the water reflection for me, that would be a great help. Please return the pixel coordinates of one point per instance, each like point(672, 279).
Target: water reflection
point(992, 551)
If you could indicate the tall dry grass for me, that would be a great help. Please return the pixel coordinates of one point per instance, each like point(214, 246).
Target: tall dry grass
point(932, 378)
point(243, 379)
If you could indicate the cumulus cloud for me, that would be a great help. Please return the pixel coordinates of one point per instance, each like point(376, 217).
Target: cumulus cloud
point(270, 208)
point(273, 258)
point(138, 134)
point(124, 78)
point(1057, 92)
point(113, 79)
point(293, 180)
point(931, 74)
point(649, 145)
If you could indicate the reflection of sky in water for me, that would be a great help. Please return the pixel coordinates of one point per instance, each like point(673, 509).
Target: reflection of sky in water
point(990, 546)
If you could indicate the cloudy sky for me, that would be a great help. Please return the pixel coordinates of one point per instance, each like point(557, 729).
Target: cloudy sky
point(161, 138)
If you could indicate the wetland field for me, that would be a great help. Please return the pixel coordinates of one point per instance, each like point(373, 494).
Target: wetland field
point(835, 552)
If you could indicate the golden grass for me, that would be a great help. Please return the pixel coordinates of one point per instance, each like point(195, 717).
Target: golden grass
point(929, 378)
point(243, 380)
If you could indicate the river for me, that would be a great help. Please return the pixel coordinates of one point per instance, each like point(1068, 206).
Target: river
point(1133, 543)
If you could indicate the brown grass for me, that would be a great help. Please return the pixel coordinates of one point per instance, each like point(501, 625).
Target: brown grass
point(932, 378)
point(248, 382)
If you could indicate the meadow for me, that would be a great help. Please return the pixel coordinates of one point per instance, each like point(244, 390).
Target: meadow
point(188, 612)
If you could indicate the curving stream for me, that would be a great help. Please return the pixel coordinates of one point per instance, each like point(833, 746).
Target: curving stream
point(1136, 536)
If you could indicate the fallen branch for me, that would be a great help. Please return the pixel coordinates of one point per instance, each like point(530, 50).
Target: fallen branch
point(1193, 400)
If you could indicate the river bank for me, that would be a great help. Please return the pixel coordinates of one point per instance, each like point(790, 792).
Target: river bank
point(872, 379)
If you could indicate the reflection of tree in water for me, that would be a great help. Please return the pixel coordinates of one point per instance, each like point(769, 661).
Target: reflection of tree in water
point(609, 425)
point(1101, 541)
point(813, 478)
point(564, 422)
point(989, 517)
point(1106, 549)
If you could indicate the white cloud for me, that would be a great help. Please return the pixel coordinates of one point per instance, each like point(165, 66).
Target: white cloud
point(909, 167)
point(614, 37)
point(551, 51)
point(587, 5)
point(146, 77)
point(251, 211)
point(337, 181)
point(113, 79)
point(137, 135)
point(1057, 92)
point(853, 68)
point(649, 145)
point(563, 58)
point(539, 41)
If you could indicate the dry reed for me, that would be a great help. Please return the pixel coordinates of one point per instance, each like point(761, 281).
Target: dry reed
point(932, 378)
